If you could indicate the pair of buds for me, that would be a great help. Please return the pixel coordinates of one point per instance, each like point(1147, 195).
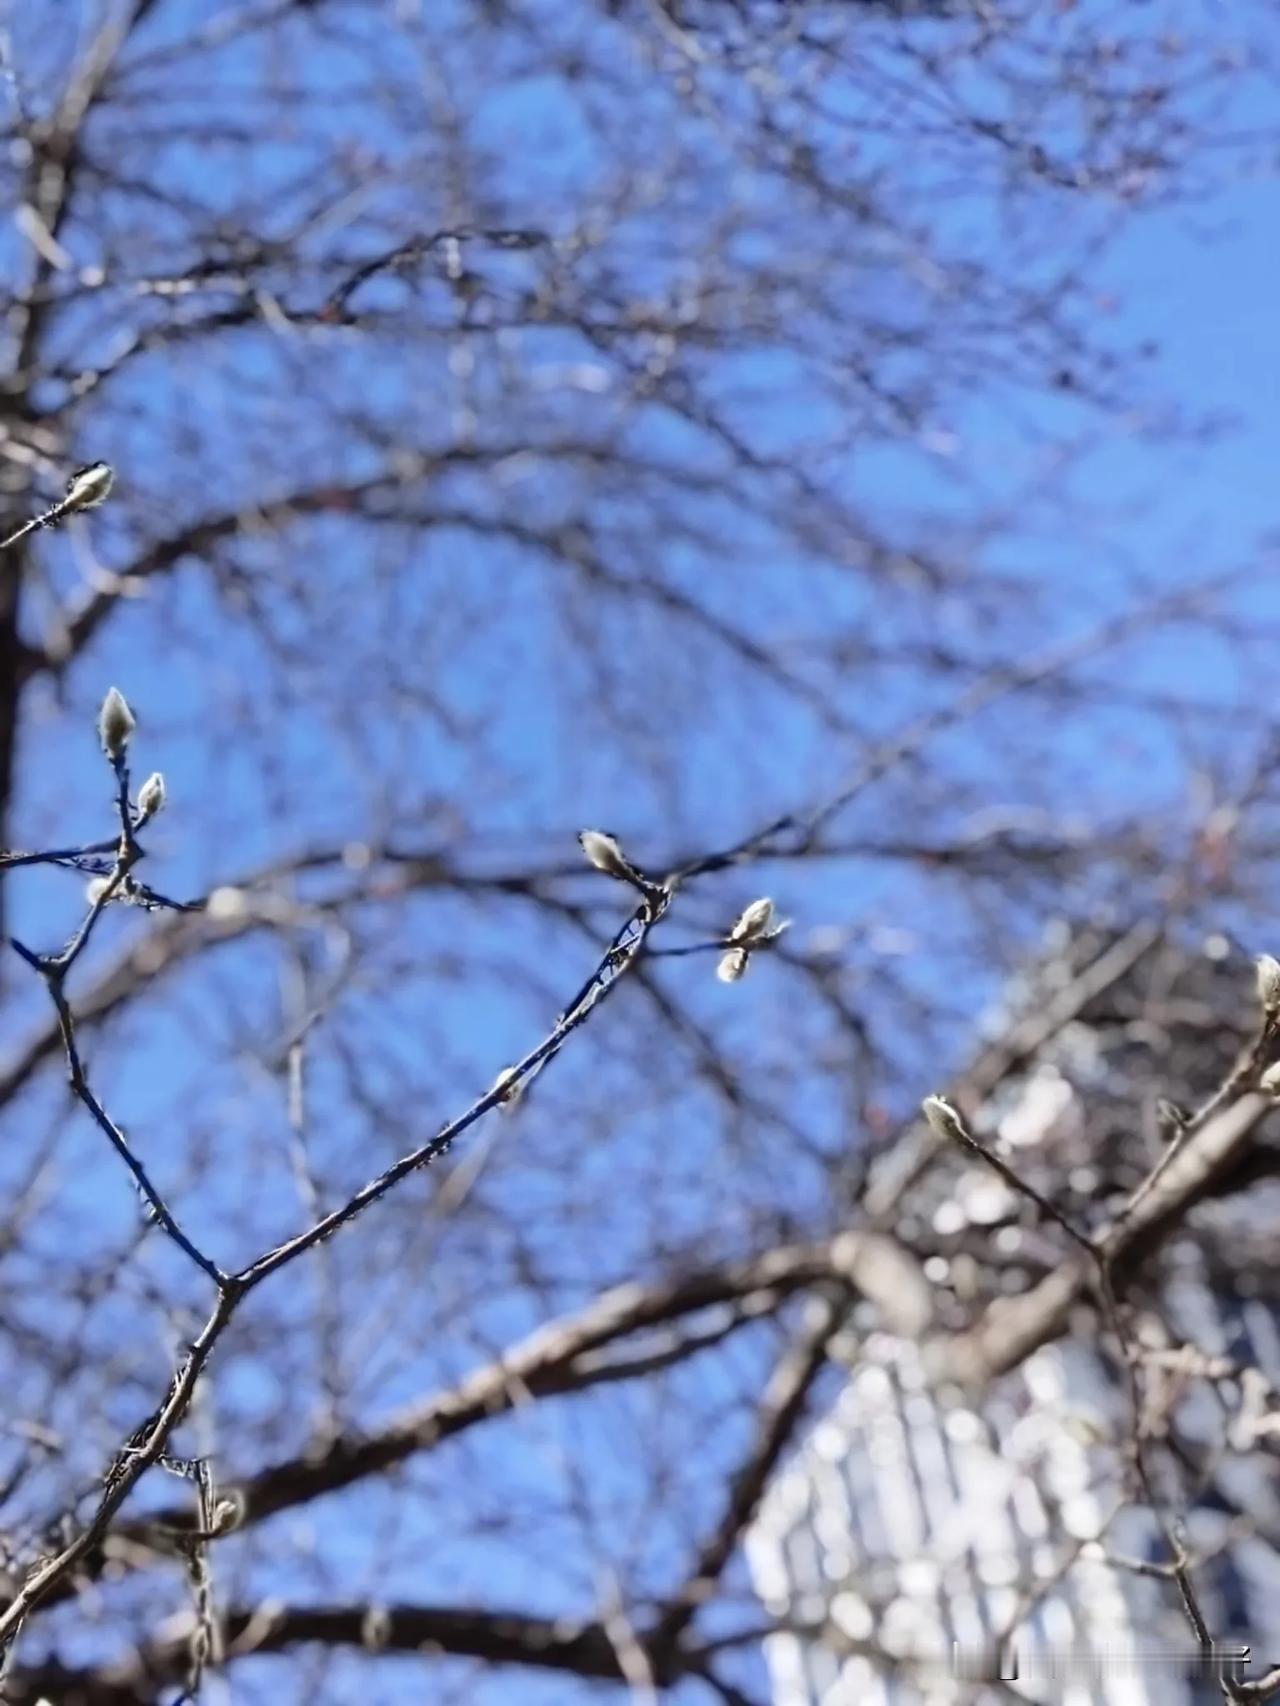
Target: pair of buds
point(756, 927)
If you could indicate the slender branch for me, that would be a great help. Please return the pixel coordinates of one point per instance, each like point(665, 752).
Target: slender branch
point(592, 1347)
point(143, 1449)
point(57, 855)
point(149, 1441)
point(54, 970)
point(80, 1085)
point(619, 957)
point(1101, 1253)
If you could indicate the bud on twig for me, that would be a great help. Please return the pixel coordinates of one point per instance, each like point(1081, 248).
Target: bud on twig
point(944, 1120)
point(87, 488)
point(375, 1628)
point(227, 1514)
point(758, 924)
point(1267, 972)
point(151, 797)
point(732, 965)
point(511, 1090)
point(116, 722)
point(604, 853)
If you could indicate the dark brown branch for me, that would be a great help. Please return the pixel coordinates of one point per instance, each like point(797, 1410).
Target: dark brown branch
point(577, 1648)
point(55, 969)
point(579, 1352)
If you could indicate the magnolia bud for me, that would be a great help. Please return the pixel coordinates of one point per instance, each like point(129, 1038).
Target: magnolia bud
point(944, 1121)
point(604, 853)
point(754, 921)
point(732, 965)
point(1267, 972)
point(116, 722)
point(375, 1628)
point(87, 487)
point(151, 796)
point(227, 1514)
point(510, 1089)
point(94, 891)
point(758, 923)
point(227, 903)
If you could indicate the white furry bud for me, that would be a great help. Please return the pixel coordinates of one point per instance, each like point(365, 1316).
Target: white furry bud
point(753, 922)
point(151, 797)
point(732, 965)
point(1267, 973)
point(375, 1628)
point(226, 903)
point(94, 891)
point(758, 923)
point(88, 487)
point(511, 1091)
point(604, 853)
point(943, 1119)
point(116, 722)
point(227, 1514)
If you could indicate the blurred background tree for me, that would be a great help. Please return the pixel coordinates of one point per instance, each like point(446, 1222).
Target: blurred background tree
point(686, 418)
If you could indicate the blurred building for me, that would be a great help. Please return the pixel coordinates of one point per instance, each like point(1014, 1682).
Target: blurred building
point(914, 1530)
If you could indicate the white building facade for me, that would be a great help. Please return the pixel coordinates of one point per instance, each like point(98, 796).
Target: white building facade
point(920, 1548)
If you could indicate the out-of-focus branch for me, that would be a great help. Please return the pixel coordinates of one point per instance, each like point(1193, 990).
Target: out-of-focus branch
point(576, 1647)
point(54, 969)
point(150, 1440)
point(497, 1637)
point(1203, 1149)
point(1014, 1327)
point(594, 1347)
point(782, 1409)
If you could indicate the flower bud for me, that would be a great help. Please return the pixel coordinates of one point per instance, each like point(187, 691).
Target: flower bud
point(1267, 972)
point(151, 797)
point(116, 722)
point(227, 903)
point(87, 487)
point(94, 891)
point(758, 923)
point(604, 853)
point(732, 965)
point(944, 1121)
point(753, 922)
point(511, 1091)
point(375, 1628)
point(227, 1514)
